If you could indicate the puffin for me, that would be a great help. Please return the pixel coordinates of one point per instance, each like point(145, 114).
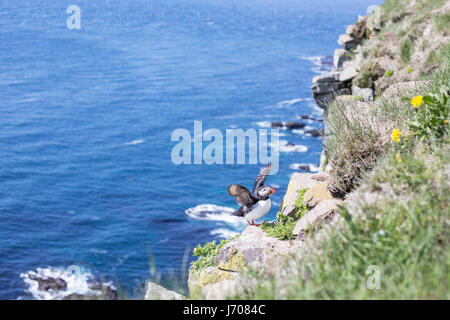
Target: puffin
point(257, 204)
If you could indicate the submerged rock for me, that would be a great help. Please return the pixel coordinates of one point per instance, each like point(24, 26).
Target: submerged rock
point(100, 291)
point(308, 117)
point(277, 124)
point(303, 166)
point(294, 125)
point(108, 292)
point(314, 132)
point(47, 283)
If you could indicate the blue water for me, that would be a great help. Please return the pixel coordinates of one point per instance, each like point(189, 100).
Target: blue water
point(86, 117)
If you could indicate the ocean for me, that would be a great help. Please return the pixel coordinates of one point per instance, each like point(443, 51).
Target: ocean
point(86, 118)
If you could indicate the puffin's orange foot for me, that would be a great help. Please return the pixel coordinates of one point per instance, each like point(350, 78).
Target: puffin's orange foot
point(254, 224)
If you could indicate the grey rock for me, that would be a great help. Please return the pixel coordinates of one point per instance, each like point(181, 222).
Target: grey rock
point(350, 30)
point(299, 180)
point(348, 42)
point(251, 248)
point(332, 76)
point(348, 72)
point(154, 291)
point(322, 211)
point(365, 93)
point(325, 87)
point(340, 56)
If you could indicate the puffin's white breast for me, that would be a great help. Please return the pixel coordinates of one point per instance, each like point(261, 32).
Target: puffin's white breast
point(258, 210)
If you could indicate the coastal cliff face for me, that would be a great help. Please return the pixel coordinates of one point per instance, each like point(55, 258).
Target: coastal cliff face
point(373, 223)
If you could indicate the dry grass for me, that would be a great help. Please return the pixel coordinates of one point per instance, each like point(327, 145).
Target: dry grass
point(358, 133)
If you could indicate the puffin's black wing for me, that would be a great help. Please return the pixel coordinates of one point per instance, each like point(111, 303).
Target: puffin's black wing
point(243, 197)
point(260, 179)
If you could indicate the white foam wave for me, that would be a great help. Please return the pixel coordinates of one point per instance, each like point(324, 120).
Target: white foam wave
point(273, 133)
point(264, 124)
point(288, 103)
point(213, 213)
point(319, 63)
point(298, 131)
point(317, 60)
point(223, 233)
point(76, 278)
point(138, 141)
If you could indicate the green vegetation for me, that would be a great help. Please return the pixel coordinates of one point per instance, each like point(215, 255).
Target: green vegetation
point(369, 73)
point(431, 62)
point(406, 50)
point(207, 252)
point(283, 227)
point(442, 22)
point(364, 79)
point(430, 120)
point(389, 73)
point(300, 207)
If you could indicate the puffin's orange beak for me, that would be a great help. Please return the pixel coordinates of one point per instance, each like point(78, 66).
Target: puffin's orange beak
point(272, 190)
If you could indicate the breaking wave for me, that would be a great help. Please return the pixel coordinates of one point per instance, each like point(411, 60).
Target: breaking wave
point(213, 213)
point(264, 124)
point(288, 103)
point(223, 233)
point(76, 280)
point(131, 143)
point(322, 64)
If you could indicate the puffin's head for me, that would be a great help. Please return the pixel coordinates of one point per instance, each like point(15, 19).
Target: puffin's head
point(265, 191)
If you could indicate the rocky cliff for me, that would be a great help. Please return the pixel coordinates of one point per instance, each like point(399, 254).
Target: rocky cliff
point(376, 194)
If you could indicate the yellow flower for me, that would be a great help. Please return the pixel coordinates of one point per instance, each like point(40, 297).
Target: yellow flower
point(396, 134)
point(417, 101)
point(445, 121)
point(398, 157)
